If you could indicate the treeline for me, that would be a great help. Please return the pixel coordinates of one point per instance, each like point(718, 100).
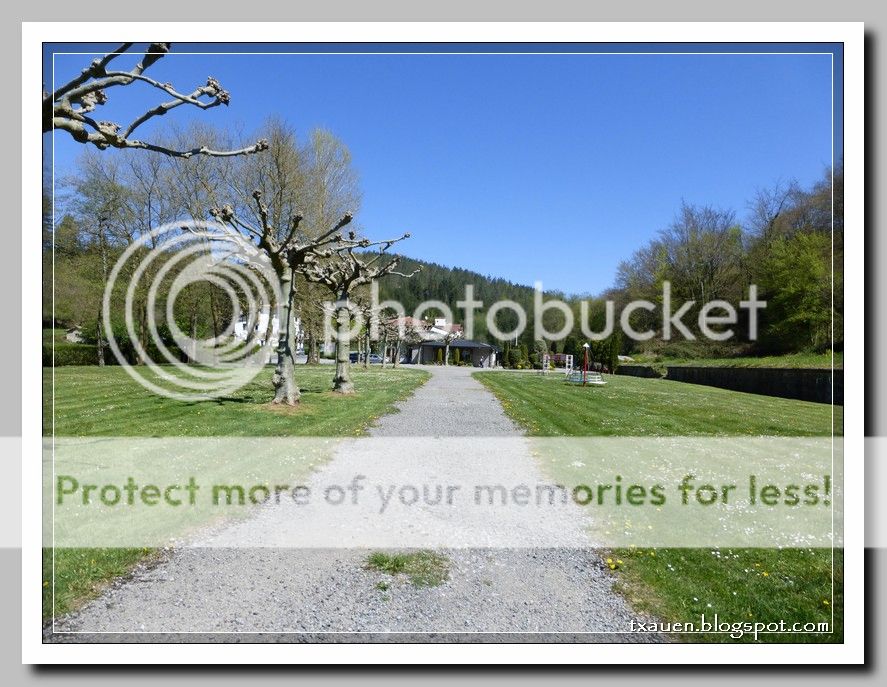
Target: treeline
point(113, 198)
point(789, 246)
point(447, 284)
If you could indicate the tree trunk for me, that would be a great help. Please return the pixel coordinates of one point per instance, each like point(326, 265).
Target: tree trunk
point(142, 332)
point(447, 354)
point(99, 341)
point(313, 352)
point(366, 350)
point(212, 311)
point(342, 381)
point(193, 352)
point(384, 348)
point(285, 389)
point(397, 353)
point(99, 336)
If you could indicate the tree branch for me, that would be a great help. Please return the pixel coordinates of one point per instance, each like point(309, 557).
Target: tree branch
point(95, 69)
point(67, 107)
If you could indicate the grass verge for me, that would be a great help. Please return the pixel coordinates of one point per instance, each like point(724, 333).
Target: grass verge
point(679, 585)
point(81, 574)
point(106, 401)
point(634, 406)
point(739, 585)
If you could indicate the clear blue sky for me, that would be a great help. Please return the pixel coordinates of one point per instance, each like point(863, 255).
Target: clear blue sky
point(528, 167)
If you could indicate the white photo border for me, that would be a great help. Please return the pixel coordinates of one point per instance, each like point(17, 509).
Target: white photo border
point(848, 33)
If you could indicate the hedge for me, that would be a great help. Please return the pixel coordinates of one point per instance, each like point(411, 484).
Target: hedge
point(72, 354)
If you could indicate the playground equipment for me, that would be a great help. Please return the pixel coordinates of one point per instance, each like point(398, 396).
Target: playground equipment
point(561, 362)
point(586, 378)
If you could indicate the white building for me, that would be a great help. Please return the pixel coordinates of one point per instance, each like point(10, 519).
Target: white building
point(260, 329)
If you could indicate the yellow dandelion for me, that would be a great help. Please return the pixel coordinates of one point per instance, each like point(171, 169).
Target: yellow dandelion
point(825, 602)
point(765, 574)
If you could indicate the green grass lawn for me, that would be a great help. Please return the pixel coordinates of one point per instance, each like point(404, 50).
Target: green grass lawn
point(679, 585)
point(94, 401)
point(635, 406)
point(740, 585)
point(793, 360)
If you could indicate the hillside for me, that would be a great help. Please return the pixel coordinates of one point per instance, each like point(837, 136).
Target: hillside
point(447, 284)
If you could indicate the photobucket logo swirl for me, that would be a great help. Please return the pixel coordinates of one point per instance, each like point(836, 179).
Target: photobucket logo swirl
point(175, 260)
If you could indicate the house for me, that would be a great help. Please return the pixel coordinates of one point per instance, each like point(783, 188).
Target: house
point(431, 337)
point(260, 330)
point(478, 353)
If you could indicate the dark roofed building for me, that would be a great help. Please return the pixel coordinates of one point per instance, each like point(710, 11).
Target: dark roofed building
point(478, 353)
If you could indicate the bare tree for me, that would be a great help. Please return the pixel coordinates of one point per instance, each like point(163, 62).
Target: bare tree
point(410, 334)
point(702, 253)
point(311, 317)
point(348, 270)
point(768, 209)
point(397, 331)
point(102, 205)
point(289, 250)
point(71, 106)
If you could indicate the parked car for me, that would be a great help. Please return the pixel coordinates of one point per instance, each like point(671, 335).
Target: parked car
point(375, 358)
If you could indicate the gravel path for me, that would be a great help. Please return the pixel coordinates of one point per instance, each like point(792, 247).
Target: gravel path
point(523, 592)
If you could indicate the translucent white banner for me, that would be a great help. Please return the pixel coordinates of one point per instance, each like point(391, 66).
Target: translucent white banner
point(443, 492)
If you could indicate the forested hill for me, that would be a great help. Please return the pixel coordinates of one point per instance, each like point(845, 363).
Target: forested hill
point(447, 284)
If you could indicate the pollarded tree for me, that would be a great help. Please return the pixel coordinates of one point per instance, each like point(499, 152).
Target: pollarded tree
point(315, 178)
point(347, 270)
point(71, 107)
point(289, 250)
